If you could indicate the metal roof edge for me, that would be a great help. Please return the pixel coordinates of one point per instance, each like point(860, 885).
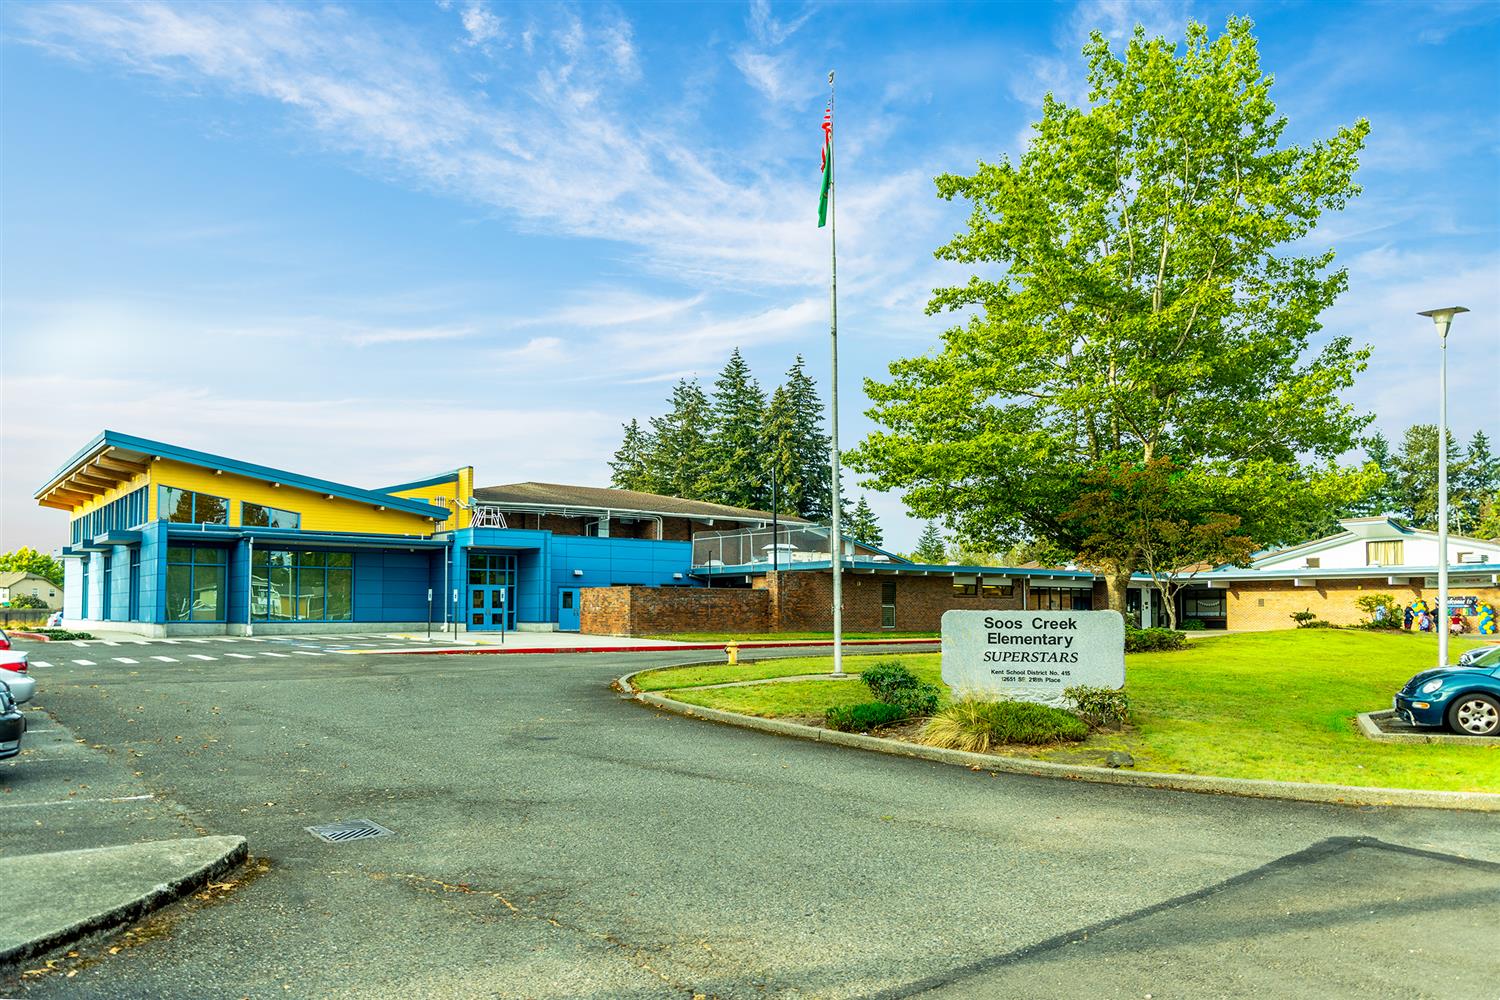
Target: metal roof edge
point(250, 470)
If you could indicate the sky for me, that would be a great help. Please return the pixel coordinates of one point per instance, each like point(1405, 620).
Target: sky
point(372, 242)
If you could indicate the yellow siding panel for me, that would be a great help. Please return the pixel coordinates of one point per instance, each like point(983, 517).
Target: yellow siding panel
point(129, 486)
point(318, 513)
point(460, 487)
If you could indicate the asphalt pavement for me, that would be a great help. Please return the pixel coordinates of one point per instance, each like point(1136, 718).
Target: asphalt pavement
point(551, 839)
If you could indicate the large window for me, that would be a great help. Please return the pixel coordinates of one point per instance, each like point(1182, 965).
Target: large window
point(1383, 553)
point(888, 604)
point(253, 515)
point(301, 586)
point(196, 583)
point(1060, 599)
point(187, 507)
point(126, 512)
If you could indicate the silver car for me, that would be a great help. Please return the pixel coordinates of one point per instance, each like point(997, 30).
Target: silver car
point(14, 667)
point(1480, 656)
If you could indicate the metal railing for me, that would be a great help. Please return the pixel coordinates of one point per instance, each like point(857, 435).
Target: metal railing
point(761, 547)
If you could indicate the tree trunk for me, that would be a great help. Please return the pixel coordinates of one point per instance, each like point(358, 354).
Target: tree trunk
point(1170, 596)
point(1116, 585)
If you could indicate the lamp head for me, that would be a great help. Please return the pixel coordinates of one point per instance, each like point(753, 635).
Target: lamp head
point(1443, 317)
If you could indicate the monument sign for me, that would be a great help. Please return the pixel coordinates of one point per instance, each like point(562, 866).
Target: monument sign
point(1032, 655)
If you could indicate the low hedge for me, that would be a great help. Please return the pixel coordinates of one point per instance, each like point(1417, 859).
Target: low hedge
point(863, 717)
point(1153, 640)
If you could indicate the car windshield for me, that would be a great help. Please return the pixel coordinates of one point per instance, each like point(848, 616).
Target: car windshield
point(1488, 658)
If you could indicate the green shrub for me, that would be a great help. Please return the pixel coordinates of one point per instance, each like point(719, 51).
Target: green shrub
point(1153, 640)
point(1099, 706)
point(59, 634)
point(1192, 625)
point(890, 682)
point(1306, 619)
point(977, 724)
point(28, 601)
point(1382, 609)
point(863, 717)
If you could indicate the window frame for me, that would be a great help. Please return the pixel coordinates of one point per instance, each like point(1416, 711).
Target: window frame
point(194, 562)
point(245, 521)
point(288, 565)
point(161, 505)
point(1397, 545)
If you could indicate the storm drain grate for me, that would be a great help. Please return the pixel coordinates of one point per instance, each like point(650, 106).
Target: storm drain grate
point(349, 829)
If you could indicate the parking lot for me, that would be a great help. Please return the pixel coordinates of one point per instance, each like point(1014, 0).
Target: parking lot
point(550, 839)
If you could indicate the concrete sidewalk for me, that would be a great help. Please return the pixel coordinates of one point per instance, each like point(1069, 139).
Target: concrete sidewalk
point(54, 899)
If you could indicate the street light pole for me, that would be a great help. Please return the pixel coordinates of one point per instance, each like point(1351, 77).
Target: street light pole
point(1443, 318)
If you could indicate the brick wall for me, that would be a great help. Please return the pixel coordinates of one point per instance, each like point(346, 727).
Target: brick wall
point(802, 601)
point(663, 610)
point(1265, 605)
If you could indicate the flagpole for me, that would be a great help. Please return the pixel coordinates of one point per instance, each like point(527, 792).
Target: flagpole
point(837, 543)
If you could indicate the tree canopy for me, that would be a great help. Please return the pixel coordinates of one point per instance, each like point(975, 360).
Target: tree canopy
point(28, 560)
point(1138, 293)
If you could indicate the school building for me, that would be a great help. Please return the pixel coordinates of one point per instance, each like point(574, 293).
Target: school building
point(165, 540)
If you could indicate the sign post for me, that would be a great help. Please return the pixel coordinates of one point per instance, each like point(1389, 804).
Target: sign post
point(429, 614)
point(1032, 655)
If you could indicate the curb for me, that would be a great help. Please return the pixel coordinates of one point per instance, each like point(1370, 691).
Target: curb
point(678, 648)
point(159, 895)
point(1370, 729)
point(1343, 795)
point(33, 636)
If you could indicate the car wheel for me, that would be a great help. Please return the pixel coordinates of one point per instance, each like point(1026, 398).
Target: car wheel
point(1475, 715)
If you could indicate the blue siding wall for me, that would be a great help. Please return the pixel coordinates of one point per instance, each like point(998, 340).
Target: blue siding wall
point(119, 583)
point(607, 561)
point(533, 552)
point(239, 583)
point(154, 572)
point(72, 587)
point(391, 586)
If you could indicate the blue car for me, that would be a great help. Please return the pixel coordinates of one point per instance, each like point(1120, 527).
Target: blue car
point(1465, 698)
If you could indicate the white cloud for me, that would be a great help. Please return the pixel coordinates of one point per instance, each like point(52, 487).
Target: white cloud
point(481, 24)
point(767, 29)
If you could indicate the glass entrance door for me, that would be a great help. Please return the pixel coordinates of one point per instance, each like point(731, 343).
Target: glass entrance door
point(492, 588)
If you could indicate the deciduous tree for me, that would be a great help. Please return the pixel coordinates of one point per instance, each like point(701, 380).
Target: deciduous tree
point(1138, 294)
point(29, 560)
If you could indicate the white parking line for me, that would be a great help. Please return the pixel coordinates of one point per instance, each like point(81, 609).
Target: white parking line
point(40, 663)
point(225, 638)
point(308, 652)
point(240, 656)
point(268, 653)
point(125, 659)
point(84, 663)
point(71, 802)
point(110, 642)
point(199, 641)
point(164, 659)
point(79, 642)
point(170, 642)
point(199, 656)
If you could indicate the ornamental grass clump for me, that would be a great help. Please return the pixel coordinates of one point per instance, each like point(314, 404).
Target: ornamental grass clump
point(977, 725)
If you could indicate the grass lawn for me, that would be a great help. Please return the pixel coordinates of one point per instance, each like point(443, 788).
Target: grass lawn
point(785, 636)
point(1257, 705)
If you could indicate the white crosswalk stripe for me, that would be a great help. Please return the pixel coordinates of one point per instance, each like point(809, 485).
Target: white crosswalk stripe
point(308, 652)
point(110, 642)
point(198, 641)
point(170, 642)
point(164, 659)
point(79, 642)
point(84, 663)
point(240, 656)
point(125, 659)
point(268, 653)
point(40, 663)
point(200, 656)
point(225, 638)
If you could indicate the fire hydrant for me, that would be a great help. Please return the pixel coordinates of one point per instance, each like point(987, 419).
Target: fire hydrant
point(733, 649)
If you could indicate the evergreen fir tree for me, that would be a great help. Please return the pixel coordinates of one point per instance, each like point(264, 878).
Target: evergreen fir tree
point(930, 546)
point(1477, 482)
point(632, 465)
point(737, 461)
point(798, 447)
point(1414, 485)
point(680, 458)
point(1382, 499)
point(862, 524)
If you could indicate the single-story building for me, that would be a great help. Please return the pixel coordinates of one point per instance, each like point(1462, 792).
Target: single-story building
point(1327, 576)
point(19, 583)
point(165, 540)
